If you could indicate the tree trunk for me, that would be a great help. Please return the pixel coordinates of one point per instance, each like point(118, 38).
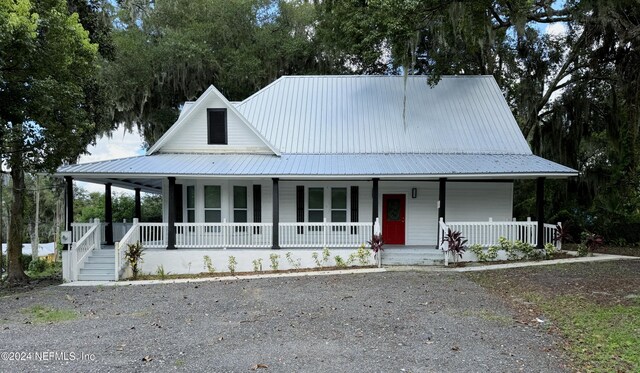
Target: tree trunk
point(16, 222)
point(35, 237)
point(14, 250)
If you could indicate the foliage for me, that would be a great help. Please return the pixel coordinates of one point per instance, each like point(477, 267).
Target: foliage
point(455, 243)
point(562, 234)
point(340, 263)
point(204, 42)
point(133, 255)
point(49, 86)
point(274, 258)
point(361, 255)
point(376, 243)
point(293, 263)
point(232, 264)
point(38, 266)
point(160, 272)
point(326, 255)
point(316, 259)
point(490, 254)
point(589, 243)
point(257, 265)
point(208, 264)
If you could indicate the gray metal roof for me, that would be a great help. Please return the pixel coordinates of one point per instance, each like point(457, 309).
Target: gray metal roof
point(323, 165)
point(367, 114)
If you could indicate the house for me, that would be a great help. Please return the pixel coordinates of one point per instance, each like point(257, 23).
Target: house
point(315, 161)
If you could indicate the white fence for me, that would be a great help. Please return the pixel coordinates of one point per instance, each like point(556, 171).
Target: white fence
point(324, 234)
point(119, 230)
point(154, 235)
point(81, 250)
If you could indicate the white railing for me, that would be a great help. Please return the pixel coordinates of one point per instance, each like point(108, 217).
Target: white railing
point(489, 233)
point(79, 229)
point(154, 235)
point(130, 238)
point(324, 234)
point(119, 229)
point(223, 235)
point(82, 249)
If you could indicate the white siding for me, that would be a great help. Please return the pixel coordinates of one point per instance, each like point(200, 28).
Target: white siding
point(192, 137)
point(479, 201)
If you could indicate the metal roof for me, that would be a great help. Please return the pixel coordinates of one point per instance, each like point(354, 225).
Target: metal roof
point(323, 165)
point(368, 114)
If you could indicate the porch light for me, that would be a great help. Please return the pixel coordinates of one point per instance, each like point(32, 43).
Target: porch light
point(414, 192)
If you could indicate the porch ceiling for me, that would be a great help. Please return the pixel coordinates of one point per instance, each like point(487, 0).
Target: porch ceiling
point(146, 185)
point(395, 166)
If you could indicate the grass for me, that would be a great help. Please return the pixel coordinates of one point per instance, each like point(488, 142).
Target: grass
point(42, 314)
point(594, 307)
point(601, 338)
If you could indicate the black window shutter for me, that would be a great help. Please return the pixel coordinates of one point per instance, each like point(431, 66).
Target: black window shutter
point(300, 206)
point(217, 126)
point(354, 207)
point(257, 207)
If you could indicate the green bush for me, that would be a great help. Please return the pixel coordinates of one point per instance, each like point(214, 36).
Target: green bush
point(25, 260)
point(38, 266)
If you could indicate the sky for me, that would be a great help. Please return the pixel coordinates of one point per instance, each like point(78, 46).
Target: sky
point(122, 144)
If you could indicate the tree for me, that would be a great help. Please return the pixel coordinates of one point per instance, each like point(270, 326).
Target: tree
point(47, 67)
point(574, 95)
point(169, 52)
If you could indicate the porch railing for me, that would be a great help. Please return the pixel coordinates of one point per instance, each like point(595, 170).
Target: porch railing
point(324, 234)
point(78, 230)
point(154, 235)
point(82, 248)
point(223, 235)
point(488, 233)
point(119, 229)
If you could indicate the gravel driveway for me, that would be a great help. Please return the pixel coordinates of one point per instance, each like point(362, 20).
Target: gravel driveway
point(379, 322)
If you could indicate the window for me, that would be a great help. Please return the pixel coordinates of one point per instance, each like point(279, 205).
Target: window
point(212, 205)
point(217, 126)
point(240, 204)
point(191, 204)
point(339, 205)
point(316, 205)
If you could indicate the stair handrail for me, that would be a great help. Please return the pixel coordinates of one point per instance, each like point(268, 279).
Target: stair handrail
point(82, 249)
point(442, 231)
point(130, 238)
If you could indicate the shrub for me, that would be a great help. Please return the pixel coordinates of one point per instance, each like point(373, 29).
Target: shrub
point(490, 254)
point(316, 259)
point(362, 255)
point(208, 264)
point(38, 266)
point(455, 243)
point(326, 255)
point(589, 243)
point(294, 263)
point(274, 258)
point(376, 243)
point(25, 260)
point(133, 255)
point(339, 261)
point(232, 264)
point(257, 265)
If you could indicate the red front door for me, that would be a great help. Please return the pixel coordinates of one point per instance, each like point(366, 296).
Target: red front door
point(393, 208)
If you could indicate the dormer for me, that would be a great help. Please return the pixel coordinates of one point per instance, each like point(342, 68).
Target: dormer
point(211, 124)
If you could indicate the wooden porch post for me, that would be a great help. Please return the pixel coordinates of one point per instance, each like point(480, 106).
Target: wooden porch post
point(442, 205)
point(137, 211)
point(540, 211)
point(108, 215)
point(374, 202)
point(171, 234)
point(69, 205)
point(275, 235)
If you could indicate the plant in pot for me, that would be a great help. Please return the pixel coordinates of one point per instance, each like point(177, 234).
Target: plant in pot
point(456, 244)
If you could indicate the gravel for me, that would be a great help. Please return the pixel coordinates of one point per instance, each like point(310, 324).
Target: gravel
point(378, 322)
